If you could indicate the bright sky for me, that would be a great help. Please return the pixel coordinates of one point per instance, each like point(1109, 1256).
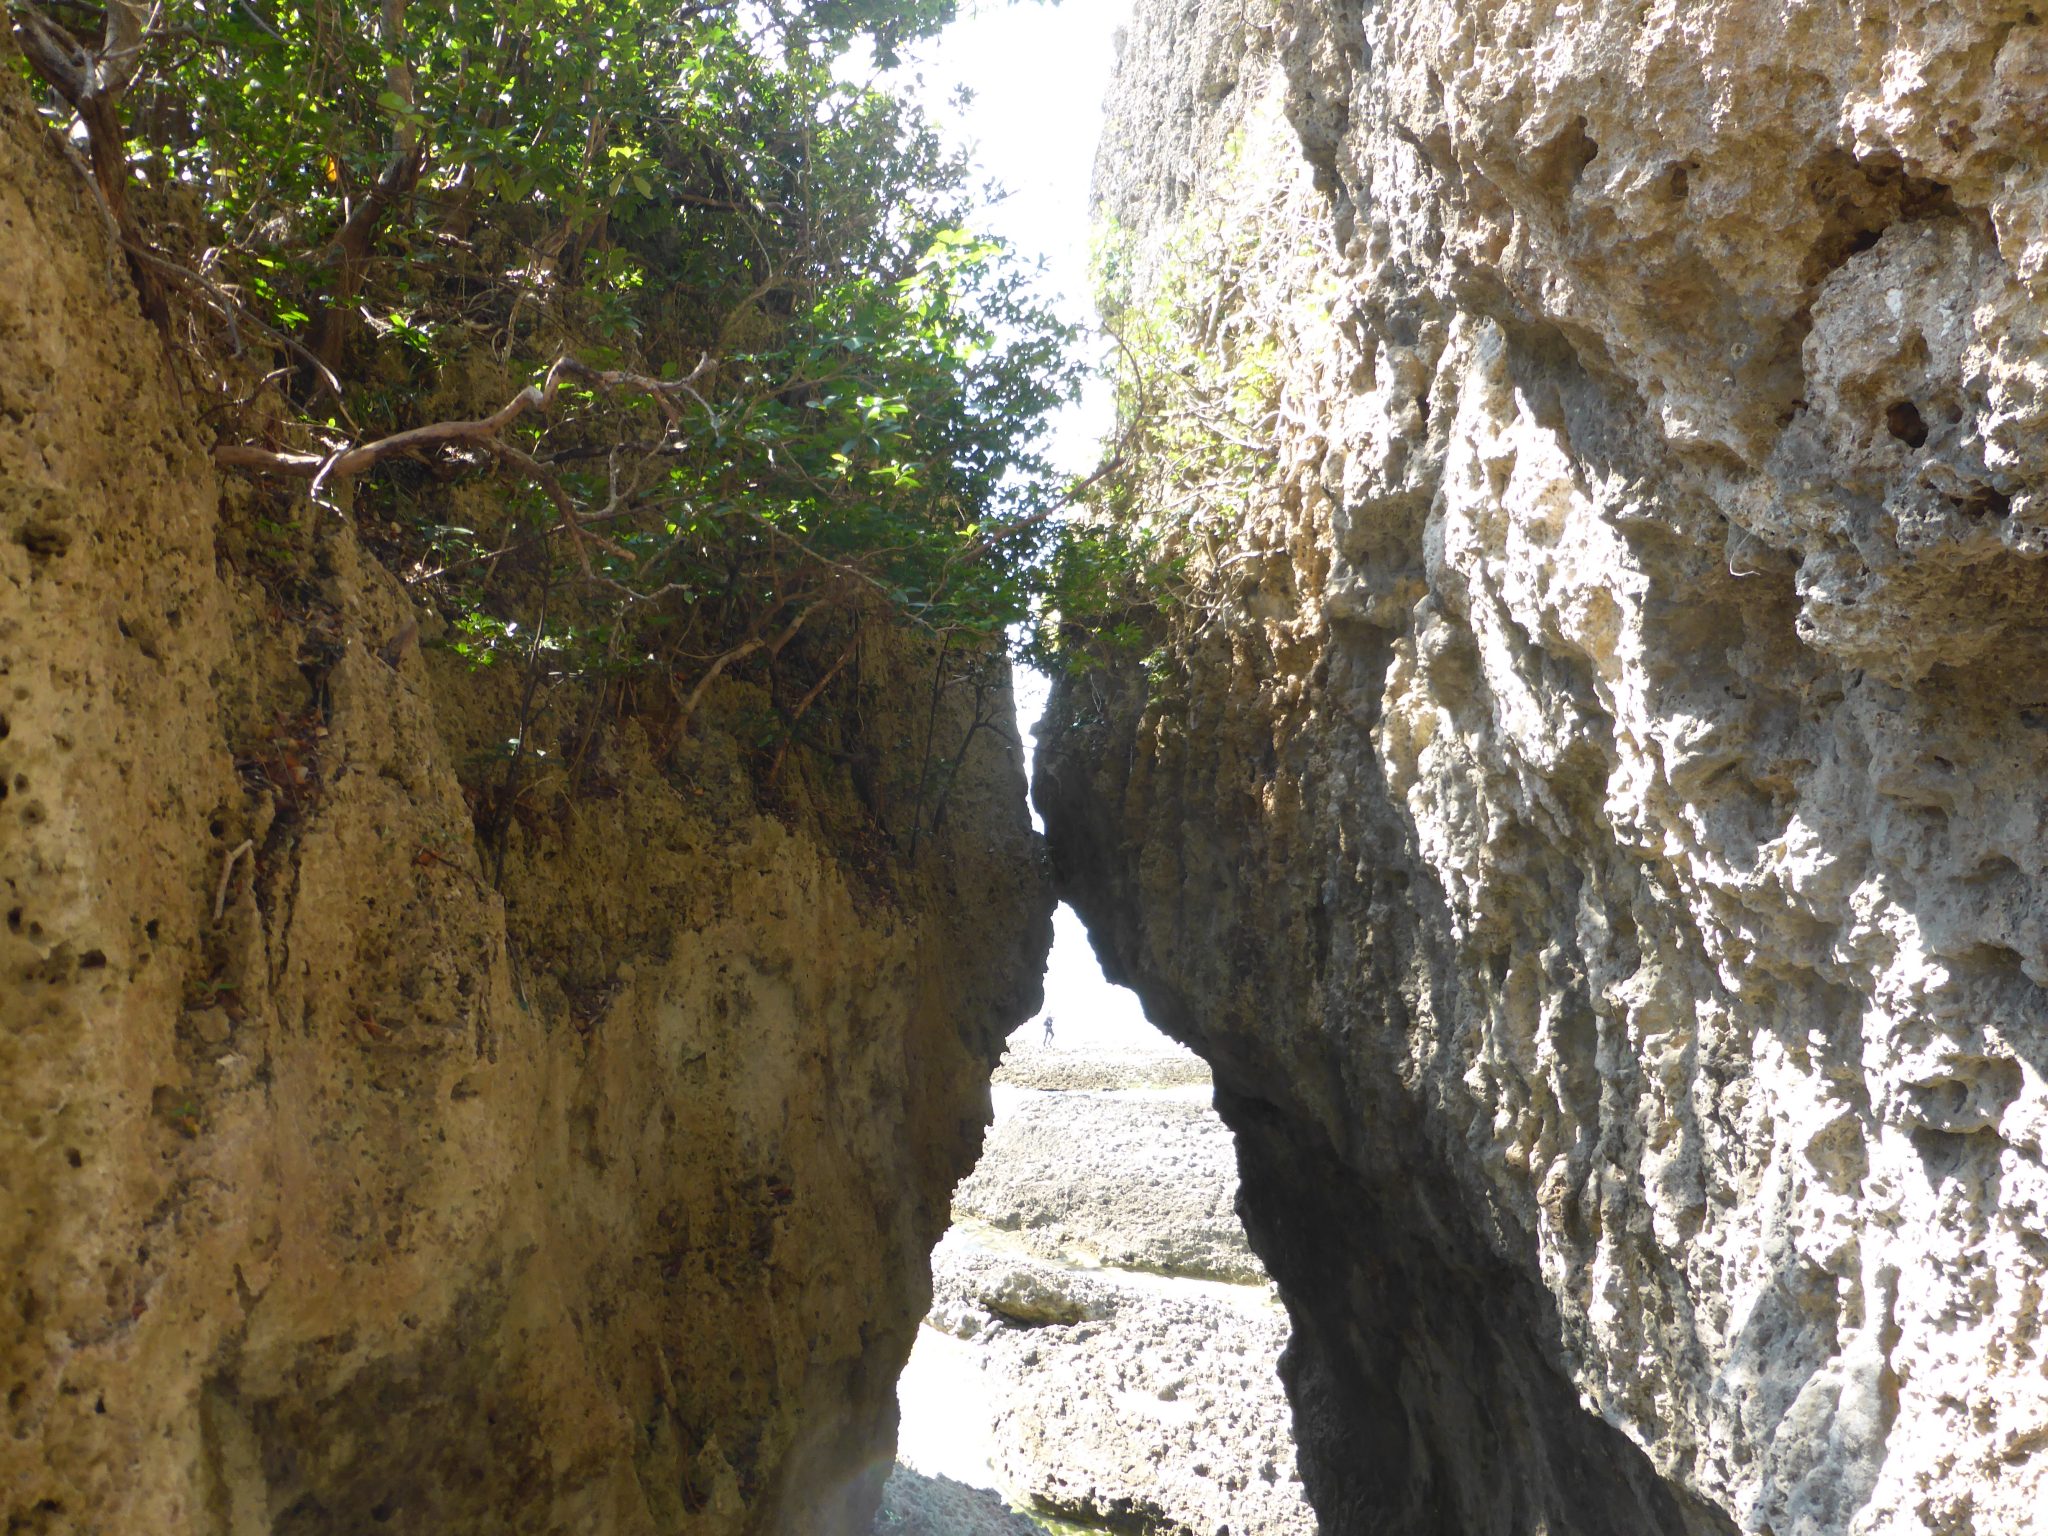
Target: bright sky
point(1037, 74)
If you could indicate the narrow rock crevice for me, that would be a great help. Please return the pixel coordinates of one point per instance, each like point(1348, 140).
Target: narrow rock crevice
point(1103, 1347)
point(1427, 1389)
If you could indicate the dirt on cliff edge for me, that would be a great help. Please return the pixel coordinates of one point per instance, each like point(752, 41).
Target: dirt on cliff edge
point(346, 1187)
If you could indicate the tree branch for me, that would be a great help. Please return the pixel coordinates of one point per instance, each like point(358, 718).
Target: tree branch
point(402, 170)
point(739, 652)
point(346, 463)
point(92, 82)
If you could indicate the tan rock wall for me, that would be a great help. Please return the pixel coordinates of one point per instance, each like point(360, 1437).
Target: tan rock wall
point(388, 1200)
point(1588, 809)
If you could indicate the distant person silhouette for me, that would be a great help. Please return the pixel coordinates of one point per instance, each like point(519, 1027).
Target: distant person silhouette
point(1048, 1029)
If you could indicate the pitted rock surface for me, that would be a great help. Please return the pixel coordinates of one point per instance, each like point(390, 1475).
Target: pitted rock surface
point(1138, 1182)
point(1586, 806)
point(346, 1189)
point(975, 1288)
point(1055, 1068)
point(1130, 1401)
point(1126, 1337)
point(916, 1505)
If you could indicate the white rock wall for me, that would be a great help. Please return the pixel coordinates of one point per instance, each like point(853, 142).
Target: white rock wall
point(1598, 776)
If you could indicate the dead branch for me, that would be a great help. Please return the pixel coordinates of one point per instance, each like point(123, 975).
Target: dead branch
point(230, 309)
point(509, 549)
point(484, 432)
point(803, 706)
point(92, 82)
point(739, 652)
point(346, 463)
point(227, 869)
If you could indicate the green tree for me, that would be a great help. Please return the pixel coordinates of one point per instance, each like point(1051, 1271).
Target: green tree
point(756, 375)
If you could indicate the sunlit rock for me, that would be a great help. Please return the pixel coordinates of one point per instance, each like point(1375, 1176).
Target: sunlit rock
point(1585, 799)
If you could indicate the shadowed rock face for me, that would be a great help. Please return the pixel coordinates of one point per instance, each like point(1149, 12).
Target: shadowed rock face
point(344, 1189)
point(1586, 803)
point(1427, 1397)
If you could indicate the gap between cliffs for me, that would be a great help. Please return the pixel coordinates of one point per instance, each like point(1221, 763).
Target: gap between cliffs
point(1102, 1349)
point(1425, 1399)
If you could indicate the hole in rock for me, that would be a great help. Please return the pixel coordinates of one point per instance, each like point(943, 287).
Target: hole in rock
point(1561, 163)
point(1903, 420)
point(1103, 1345)
point(44, 541)
point(1986, 503)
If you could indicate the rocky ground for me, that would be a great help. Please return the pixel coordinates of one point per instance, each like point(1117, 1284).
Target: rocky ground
point(1102, 1345)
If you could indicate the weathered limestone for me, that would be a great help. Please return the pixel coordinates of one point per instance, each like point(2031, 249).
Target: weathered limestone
point(1588, 810)
point(916, 1505)
point(1143, 1182)
point(1125, 1337)
point(1128, 1404)
point(383, 1201)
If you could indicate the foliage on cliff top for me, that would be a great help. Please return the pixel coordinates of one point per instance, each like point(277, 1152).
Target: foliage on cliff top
point(1212, 313)
point(716, 316)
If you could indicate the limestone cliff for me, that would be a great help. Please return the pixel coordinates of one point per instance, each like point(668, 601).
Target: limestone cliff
point(351, 1182)
point(1586, 799)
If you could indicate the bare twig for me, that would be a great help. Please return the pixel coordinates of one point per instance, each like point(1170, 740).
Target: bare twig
point(230, 307)
point(227, 869)
point(803, 706)
point(347, 463)
point(484, 432)
point(739, 652)
point(508, 796)
point(92, 82)
point(985, 719)
point(585, 520)
point(931, 730)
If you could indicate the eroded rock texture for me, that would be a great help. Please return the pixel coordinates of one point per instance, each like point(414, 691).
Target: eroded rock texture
point(1125, 1337)
point(381, 1200)
point(1588, 805)
point(1138, 1181)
